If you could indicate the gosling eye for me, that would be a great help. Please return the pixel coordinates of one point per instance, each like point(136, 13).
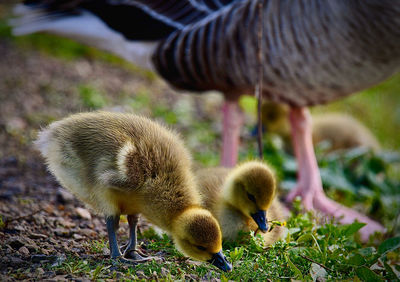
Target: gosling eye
point(251, 197)
point(201, 248)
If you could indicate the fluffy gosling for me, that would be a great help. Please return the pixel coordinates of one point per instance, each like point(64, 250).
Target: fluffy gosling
point(125, 164)
point(240, 199)
point(340, 130)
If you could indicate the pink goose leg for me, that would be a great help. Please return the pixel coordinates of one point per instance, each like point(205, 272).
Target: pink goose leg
point(309, 186)
point(232, 123)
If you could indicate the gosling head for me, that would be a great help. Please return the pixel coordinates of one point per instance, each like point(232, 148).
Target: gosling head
point(250, 188)
point(197, 234)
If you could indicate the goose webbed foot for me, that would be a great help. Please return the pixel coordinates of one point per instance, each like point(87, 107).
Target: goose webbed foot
point(314, 198)
point(309, 186)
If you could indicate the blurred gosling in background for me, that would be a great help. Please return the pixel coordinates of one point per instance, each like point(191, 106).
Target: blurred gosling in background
point(341, 131)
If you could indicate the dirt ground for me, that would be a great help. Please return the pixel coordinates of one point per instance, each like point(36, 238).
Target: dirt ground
point(41, 221)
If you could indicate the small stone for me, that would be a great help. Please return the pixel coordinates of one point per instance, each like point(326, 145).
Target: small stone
point(39, 271)
point(106, 251)
point(77, 236)
point(49, 208)
point(37, 236)
point(44, 251)
point(83, 213)
point(24, 251)
point(39, 219)
point(62, 232)
point(64, 196)
point(19, 228)
point(66, 223)
point(16, 261)
point(87, 232)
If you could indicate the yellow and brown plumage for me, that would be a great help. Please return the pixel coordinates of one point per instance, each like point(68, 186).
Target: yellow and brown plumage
point(125, 164)
point(341, 131)
point(233, 196)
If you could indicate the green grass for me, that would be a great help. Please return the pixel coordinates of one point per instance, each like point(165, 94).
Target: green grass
point(311, 250)
point(64, 48)
point(91, 97)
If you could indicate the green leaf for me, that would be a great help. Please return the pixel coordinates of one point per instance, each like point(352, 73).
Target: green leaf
point(389, 245)
point(305, 238)
point(367, 252)
point(391, 272)
point(294, 230)
point(366, 274)
point(356, 259)
point(297, 271)
point(352, 228)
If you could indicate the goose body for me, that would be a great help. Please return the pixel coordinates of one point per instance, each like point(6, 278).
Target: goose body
point(125, 164)
point(314, 52)
point(224, 193)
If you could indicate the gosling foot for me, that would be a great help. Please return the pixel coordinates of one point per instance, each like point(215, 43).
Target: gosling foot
point(136, 256)
point(121, 259)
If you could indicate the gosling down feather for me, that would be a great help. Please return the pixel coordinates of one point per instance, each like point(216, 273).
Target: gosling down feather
point(125, 164)
point(341, 131)
point(242, 199)
point(313, 52)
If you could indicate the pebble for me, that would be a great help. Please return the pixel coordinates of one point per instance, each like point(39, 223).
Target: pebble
point(62, 232)
point(64, 196)
point(83, 213)
point(88, 232)
point(106, 251)
point(37, 236)
point(16, 261)
point(77, 236)
point(24, 251)
point(66, 223)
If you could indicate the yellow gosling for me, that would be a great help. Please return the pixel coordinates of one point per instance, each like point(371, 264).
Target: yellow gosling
point(340, 130)
point(125, 164)
point(242, 199)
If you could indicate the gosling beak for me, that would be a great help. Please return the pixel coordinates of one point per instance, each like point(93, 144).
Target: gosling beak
point(219, 260)
point(260, 217)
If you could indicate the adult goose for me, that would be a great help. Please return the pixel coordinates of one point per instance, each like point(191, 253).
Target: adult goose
point(314, 52)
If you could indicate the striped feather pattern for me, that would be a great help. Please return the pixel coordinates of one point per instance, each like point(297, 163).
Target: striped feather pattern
point(315, 51)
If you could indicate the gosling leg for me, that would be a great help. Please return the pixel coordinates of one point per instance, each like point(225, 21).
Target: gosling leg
point(112, 223)
point(131, 252)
